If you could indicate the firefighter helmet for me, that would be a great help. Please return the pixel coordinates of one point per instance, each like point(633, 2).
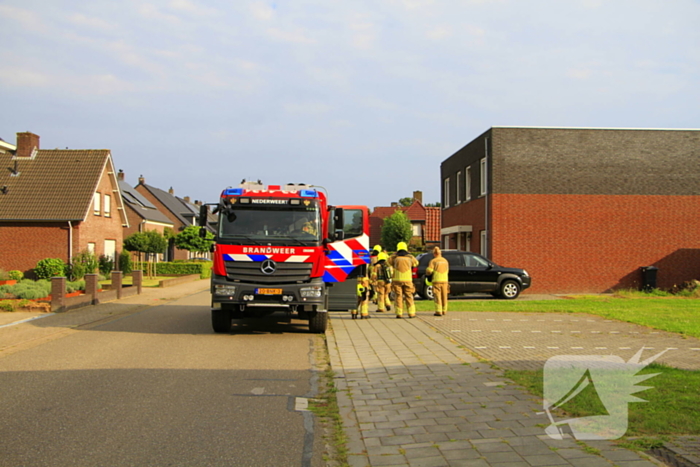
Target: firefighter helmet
point(401, 246)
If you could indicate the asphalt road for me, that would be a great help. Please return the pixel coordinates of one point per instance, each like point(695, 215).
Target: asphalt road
point(158, 387)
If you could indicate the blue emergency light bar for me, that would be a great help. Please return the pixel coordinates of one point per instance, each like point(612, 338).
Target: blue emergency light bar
point(308, 194)
point(233, 192)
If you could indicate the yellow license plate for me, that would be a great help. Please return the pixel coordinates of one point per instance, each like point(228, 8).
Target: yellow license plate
point(269, 291)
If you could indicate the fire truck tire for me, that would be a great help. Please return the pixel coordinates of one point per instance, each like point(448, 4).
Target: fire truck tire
point(221, 320)
point(318, 322)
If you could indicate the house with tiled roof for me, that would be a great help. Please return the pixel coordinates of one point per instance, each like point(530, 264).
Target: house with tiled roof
point(180, 211)
point(142, 214)
point(55, 203)
point(425, 221)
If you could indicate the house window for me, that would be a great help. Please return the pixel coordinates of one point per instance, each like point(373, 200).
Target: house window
point(417, 230)
point(446, 193)
point(483, 250)
point(483, 176)
point(459, 187)
point(111, 249)
point(468, 184)
point(91, 248)
point(108, 206)
point(96, 203)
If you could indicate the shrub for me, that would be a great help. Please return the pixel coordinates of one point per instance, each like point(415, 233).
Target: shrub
point(75, 271)
point(125, 265)
point(50, 267)
point(31, 290)
point(180, 269)
point(7, 305)
point(15, 275)
point(75, 286)
point(106, 265)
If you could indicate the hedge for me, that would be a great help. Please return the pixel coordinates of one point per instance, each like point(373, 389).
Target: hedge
point(179, 269)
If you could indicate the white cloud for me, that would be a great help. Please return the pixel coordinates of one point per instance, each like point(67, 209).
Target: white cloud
point(295, 35)
point(17, 77)
point(192, 8)
point(26, 19)
point(91, 22)
point(262, 11)
point(152, 12)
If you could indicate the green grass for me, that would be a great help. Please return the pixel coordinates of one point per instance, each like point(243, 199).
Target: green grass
point(128, 280)
point(674, 314)
point(673, 406)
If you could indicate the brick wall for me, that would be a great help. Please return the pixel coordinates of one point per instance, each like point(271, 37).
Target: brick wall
point(98, 228)
point(595, 243)
point(23, 244)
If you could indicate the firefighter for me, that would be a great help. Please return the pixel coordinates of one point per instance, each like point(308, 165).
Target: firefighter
point(437, 274)
point(363, 297)
point(372, 261)
point(380, 275)
point(402, 281)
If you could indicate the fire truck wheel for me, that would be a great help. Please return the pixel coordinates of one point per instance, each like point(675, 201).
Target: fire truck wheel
point(318, 322)
point(221, 320)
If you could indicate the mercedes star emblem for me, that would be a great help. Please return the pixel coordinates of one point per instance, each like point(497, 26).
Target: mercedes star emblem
point(268, 266)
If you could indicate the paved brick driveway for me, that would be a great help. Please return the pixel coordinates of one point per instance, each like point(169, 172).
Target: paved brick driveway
point(527, 340)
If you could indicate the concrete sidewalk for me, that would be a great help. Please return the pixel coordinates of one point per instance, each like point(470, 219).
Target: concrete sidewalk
point(20, 329)
point(410, 396)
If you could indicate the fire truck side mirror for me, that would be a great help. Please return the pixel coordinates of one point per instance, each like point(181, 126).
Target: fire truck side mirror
point(203, 215)
point(203, 232)
point(339, 235)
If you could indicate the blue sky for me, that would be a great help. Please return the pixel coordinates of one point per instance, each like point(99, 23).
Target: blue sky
point(363, 97)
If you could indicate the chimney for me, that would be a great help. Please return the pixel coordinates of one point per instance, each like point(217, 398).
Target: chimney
point(418, 196)
point(26, 143)
point(198, 202)
point(120, 175)
point(142, 181)
point(187, 199)
point(171, 191)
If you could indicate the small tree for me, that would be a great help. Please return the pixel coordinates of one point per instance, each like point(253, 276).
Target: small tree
point(150, 242)
point(190, 240)
point(397, 228)
point(125, 262)
point(406, 201)
point(50, 267)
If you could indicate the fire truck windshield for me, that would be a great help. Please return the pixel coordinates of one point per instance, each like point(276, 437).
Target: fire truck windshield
point(270, 223)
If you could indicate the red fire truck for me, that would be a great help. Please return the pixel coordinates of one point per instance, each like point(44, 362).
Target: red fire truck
point(282, 248)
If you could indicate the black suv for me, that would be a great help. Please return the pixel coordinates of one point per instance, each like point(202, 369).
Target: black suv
point(470, 273)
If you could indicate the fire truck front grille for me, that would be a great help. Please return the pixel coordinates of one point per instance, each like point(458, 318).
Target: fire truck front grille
point(285, 273)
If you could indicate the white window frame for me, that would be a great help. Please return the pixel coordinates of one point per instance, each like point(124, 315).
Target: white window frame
point(446, 192)
point(459, 186)
point(468, 184)
point(483, 247)
point(97, 209)
point(417, 229)
point(108, 206)
point(483, 176)
point(91, 247)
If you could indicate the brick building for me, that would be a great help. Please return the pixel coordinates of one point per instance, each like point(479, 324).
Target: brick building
point(56, 203)
point(180, 211)
point(582, 209)
point(425, 221)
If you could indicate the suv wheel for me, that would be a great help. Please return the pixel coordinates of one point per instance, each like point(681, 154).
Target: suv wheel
point(509, 289)
point(426, 291)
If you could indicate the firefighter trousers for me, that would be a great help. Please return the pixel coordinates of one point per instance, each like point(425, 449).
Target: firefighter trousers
point(404, 290)
point(440, 292)
point(383, 289)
